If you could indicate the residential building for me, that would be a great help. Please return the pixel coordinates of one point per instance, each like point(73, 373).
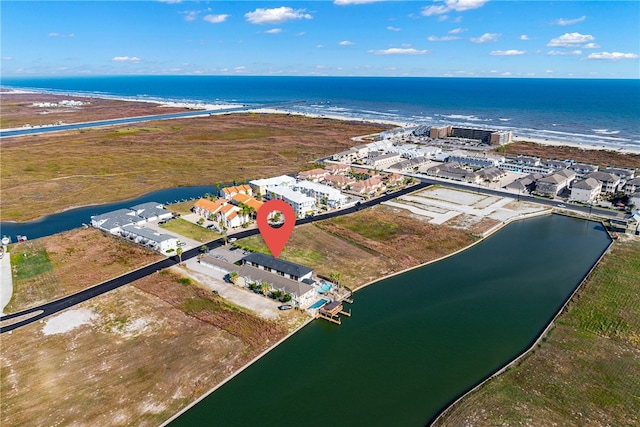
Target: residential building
point(229, 192)
point(207, 208)
point(475, 160)
point(526, 183)
point(154, 240)
point(634, 199)
point(484, 136)
point(552, 185)
point(383, 160)
point(632, 186)
point(315, 175)
point(323, 194)
point(586, 191)
point(249, 201)
point(337, 168)
point(278, 266)
point(524, 168)
point(409, 164)
point(554, 164)
point(230, 216)
point(301, 203)
point(393, 179)
point(455, 172)
point(368, 186)
point(113, 221)
point(338, 181)
point(582, 169)
point(492, 174)
point(259, 186)
point(623, 173)
point(609, 181)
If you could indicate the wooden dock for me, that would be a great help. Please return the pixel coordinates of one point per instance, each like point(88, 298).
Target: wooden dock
point(332, 311)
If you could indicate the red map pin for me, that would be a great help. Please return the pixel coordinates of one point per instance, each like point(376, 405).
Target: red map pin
point(276, 238)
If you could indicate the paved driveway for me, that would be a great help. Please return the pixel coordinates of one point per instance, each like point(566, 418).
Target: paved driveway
point(213, 279)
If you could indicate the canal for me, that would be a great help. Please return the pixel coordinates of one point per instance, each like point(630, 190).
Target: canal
point(418, 340)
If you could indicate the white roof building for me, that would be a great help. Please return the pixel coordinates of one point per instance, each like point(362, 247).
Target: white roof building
point(321, 192)
point(301, 203)
point(260, 185)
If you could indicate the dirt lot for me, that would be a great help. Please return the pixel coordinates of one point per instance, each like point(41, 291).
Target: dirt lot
point(367, 245)
point(603, 158)
point(43, 174)
point(68, 262)
point(18, 109)
point(134, 356)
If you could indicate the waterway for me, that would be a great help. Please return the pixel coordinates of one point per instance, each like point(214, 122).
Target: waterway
point(418, 340)
point(74, 218)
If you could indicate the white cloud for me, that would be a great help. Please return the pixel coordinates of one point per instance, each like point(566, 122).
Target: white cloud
point(564, 52)
point(591, 46)
point(239, 69)
point(390, 28)
point(301, 33)
point(486, 37)
point(345, 43)
point(216, 19)
point(349, 2)
point(442, 39)
point(319, 46)
point(7, 58)
point(190, 15)
point(276, 15)
point(564, 22)
point(62, 36)
point(170, 1)
point(274, 31)
point(457, 31)
point(570, 40)
point(132, 59)
point(612, 56)
point(452, 5)
point(524, 37)
point(399, 51)
point(510, 52)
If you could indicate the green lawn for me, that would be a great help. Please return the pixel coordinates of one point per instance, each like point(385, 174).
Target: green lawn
point(586, 371)
point(190, 230)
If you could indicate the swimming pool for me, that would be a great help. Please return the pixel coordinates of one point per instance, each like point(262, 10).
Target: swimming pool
point(319, 304)
point(324, 288)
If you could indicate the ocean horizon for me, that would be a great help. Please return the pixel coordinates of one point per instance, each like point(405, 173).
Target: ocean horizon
point(603, 112)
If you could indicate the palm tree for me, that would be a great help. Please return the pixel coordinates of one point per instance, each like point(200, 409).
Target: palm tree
point(179, 253)
point(335, 278)
point(265, 287)
point(233, 276)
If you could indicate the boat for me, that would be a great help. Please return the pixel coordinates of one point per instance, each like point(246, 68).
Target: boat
point(22, 238)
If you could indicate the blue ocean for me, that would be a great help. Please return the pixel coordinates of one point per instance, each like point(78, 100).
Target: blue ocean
point(602, 112)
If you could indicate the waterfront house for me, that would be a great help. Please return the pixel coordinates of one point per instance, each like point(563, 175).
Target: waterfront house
point(586, 191)
point(207, 208)
point(323, 194)
point(230, 216)
point(492, 174)
point(250, 201)
point(554, 164)
point(229, 192)
point(278, 266)
point(113, 221)
point(160, 242)
point(526, 183)
point(622, 173)
point(259, 186)
point(582, 169)
point(475, 160)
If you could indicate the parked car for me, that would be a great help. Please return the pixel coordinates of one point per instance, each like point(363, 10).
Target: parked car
point(285, 307)
point(214, 292)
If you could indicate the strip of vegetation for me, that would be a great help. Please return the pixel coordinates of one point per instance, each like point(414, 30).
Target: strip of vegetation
point(190, 230)
point(586, 371)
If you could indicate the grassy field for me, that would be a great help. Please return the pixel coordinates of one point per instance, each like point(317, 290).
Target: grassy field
point(147, 351)
point(43, 174)
point(586, 371)
point(603, 158)
point(52, 267)
point(367, 245)
point(190, 230)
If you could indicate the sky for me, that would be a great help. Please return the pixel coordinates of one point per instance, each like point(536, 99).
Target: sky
point(465, 38)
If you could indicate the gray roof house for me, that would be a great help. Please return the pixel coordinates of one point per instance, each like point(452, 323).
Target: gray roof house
point(281, 267)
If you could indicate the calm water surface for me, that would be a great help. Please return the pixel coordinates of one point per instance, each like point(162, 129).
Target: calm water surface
point(418, 340)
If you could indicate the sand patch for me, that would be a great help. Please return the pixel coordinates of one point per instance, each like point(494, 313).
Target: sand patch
point(68, 321)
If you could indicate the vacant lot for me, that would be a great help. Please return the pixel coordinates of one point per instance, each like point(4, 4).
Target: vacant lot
point(18, 109)
point(586, 372)
point(367, 245)
point(603, 158)
point(43, 174)
point(190, 230)
point(52, 267)
point(134, 356)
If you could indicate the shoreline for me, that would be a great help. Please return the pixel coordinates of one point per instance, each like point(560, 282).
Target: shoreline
point(191, 105)
point(489, 232)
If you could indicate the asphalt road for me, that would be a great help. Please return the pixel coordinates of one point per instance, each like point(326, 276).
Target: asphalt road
point(53, 307)
point(94, 291)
